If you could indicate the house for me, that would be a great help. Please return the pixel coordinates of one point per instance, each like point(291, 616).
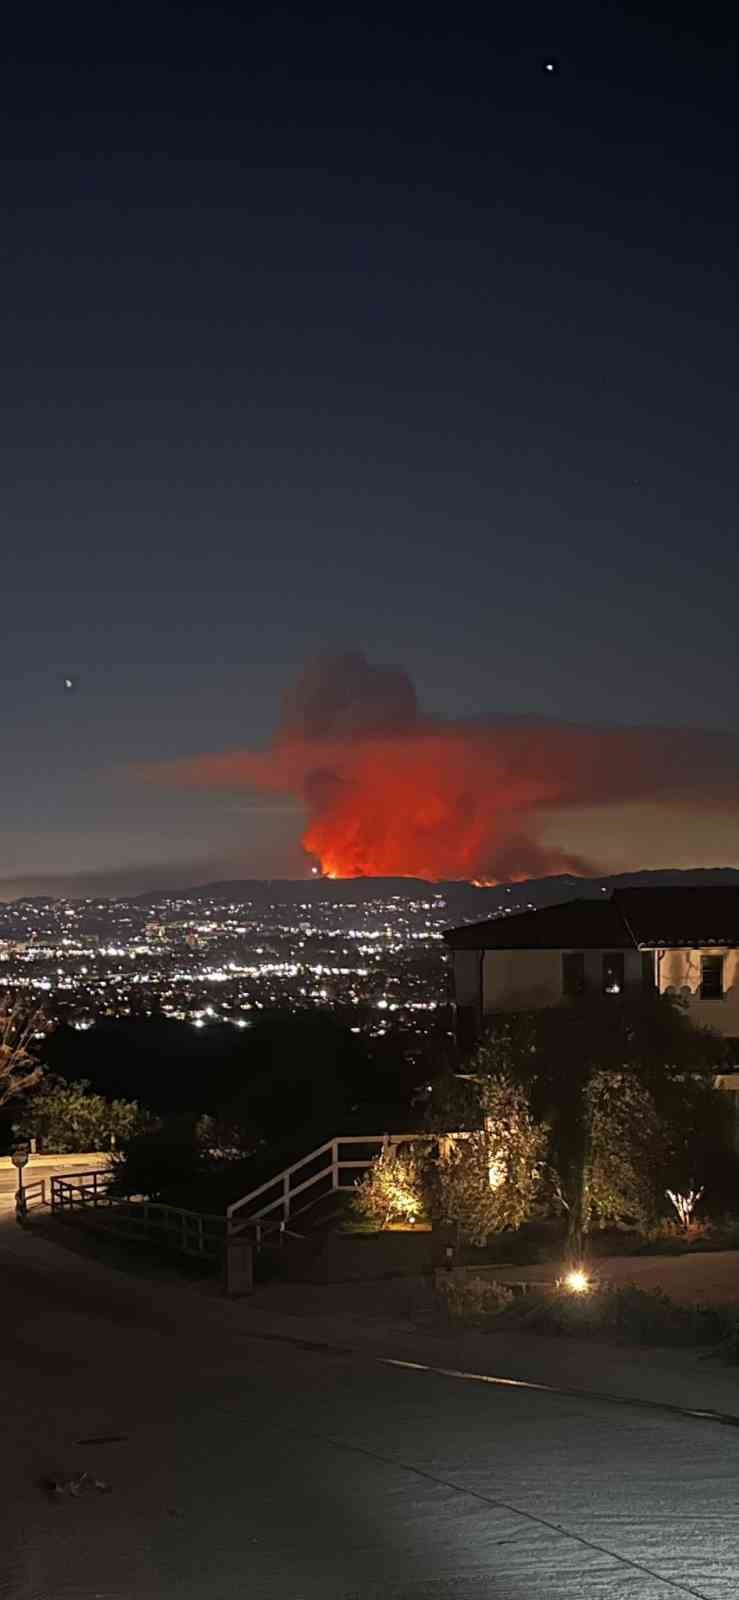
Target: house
point(682, 941)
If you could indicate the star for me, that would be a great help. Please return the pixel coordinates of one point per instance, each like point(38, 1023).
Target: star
point(550, 66)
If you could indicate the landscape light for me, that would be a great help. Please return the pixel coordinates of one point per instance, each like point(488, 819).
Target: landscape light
point(577, 1281)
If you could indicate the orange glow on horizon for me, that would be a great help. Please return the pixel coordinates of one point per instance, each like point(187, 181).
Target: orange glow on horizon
point(388, 793)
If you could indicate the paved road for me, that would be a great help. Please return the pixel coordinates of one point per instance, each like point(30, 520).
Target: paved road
point(255, 1469)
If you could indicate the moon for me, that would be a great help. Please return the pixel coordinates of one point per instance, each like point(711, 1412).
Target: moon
point(69, 683)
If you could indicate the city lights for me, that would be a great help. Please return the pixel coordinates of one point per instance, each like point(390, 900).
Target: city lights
point(380, 958)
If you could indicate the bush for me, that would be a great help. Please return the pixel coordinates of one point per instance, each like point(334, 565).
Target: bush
point(391, 1189)
point(162, 1163)
point(634, 1315)
point(670, 1238)
point(473, 1299)
point(67, 1118)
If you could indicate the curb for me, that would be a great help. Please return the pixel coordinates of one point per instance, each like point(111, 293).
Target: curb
point(724, 1418)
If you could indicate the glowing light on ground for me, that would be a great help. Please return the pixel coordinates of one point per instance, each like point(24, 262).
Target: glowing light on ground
point(577, 1281)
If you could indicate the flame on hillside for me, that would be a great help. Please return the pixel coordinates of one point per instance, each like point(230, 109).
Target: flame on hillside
point(389, 793)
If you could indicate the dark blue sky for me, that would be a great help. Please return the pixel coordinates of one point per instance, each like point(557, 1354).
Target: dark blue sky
point(354, 330)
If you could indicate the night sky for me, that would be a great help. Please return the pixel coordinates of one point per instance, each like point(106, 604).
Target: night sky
point(357, 331)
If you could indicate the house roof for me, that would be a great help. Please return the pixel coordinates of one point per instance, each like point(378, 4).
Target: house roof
point(630, 919)
point(670, 917)
point(574, 925)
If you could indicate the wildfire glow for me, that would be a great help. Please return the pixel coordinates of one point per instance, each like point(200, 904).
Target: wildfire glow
point(388, 793)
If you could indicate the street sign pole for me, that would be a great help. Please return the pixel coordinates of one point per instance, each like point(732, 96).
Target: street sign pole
point(19, 1159)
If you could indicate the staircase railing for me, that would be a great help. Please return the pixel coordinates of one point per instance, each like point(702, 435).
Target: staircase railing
point(293, 1182)
point(267, 1209)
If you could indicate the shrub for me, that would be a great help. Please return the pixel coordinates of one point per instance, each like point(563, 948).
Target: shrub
point(634, 1315)
point(391, 1189)
point(164, 1160)
point(66, 1118)
point(670, 1238)
point(473, 1299)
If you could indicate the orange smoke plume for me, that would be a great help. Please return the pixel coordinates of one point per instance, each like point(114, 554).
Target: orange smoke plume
point(390, 794)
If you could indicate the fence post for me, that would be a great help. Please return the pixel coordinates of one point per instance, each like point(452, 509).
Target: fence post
point(335, 1164)
point(286, 1196)
point(239, 1264)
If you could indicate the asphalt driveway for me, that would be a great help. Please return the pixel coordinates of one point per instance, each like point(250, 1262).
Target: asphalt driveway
point(242, 1466)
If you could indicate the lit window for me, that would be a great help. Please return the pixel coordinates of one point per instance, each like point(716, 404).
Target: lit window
point(573, 973)
point(712, 977)
point(613, 972)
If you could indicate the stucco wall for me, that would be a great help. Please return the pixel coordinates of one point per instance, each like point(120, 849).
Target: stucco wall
point(467, 977)
point(516, 980)
point(680, 973)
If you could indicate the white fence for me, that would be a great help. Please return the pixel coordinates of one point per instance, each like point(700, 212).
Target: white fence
point(278, 1195)
point(192, 1233)
point(264, 1211)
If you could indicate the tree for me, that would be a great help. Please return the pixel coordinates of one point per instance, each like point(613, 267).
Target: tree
point(484, 1179)
point(164, 1162)
point(695, 1159)
point(67, 1118)
point(296, 1074)
point(225, 1140)
point(592, 1069)
point(625, 1141)
point(19, 1069)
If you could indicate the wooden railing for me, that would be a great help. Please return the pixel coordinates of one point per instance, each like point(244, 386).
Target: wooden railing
point(29, 1197)
point(73, 1190)
point(193, 1233)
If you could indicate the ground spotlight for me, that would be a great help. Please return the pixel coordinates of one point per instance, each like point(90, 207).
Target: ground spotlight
point(577, 1281)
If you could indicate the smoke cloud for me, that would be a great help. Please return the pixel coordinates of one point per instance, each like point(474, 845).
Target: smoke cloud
point(388, 792)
